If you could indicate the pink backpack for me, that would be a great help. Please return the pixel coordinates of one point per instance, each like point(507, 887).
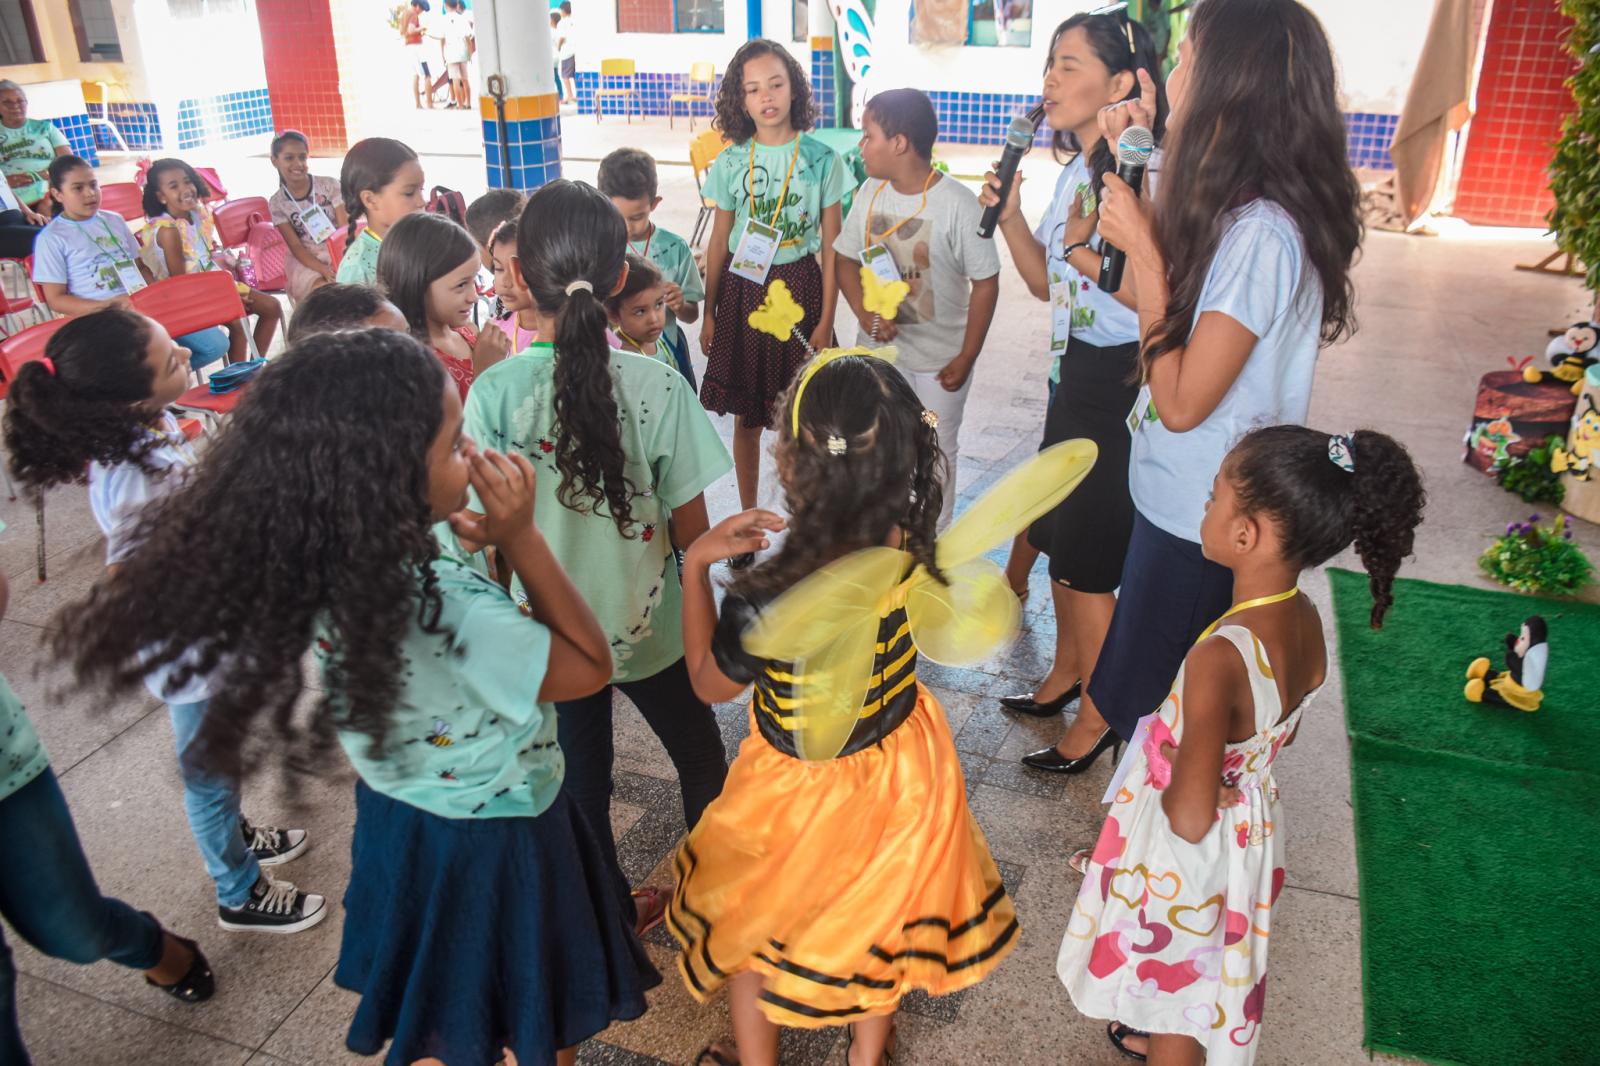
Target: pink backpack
point(268, 254)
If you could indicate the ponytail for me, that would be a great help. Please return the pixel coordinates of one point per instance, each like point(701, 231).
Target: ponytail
point(571, 243)
point(368, 166)
point(1328, 491)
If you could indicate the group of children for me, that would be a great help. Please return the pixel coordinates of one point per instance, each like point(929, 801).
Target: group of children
point(533, 535)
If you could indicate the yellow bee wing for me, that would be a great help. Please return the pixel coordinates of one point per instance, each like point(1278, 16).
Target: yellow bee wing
point(881, 297)
point(827, 625)
point(967, 620)
point(1015, 501)
point(778, 314)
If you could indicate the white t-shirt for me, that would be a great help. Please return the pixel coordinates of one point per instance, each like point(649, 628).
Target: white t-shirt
point(566, 47)
point(1260, 279)
point(117, 494)
point(8, 199)
point(457, 27)
point(80, 255)
point(937, 250)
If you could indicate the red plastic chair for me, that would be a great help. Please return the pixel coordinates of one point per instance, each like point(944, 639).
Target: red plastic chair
point(29, 300)
point(337, 243)
point(235, 218)
point(126, 199)
point(189, 303)
point(219, 192)
point(16, 351)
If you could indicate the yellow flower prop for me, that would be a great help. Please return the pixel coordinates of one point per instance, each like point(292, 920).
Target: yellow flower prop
point(778, 314)
point(827, 624)
point(823, 358)
point(882, 298)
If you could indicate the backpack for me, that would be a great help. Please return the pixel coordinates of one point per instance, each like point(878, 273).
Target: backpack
point(449, 203)
point(268, 254)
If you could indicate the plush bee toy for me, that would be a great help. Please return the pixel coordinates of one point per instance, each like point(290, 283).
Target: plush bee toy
point(1570, 355)
point(1521, 683)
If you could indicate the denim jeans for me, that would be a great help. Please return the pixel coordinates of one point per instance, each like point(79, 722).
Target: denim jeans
point(213, 810)
point(206, 346)
point(48, 894)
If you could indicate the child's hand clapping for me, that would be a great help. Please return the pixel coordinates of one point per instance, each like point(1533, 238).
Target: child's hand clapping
point(505, 485)
point(735, 535)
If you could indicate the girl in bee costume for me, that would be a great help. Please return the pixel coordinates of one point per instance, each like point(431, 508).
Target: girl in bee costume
point(840, 868)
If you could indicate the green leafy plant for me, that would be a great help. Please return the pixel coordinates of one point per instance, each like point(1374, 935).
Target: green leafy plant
point(1575, 167)
point(1538, 558)
point(1530, 476)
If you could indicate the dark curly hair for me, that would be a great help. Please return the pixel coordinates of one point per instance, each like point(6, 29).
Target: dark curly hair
point(87, 410)
point(368, 166)
point(151, 201)
point(732, 118)
point(1261, 119)
point(304, 525)
point(1321, 509)
point(890, 476)
point(570, 233)
point(1108, 35)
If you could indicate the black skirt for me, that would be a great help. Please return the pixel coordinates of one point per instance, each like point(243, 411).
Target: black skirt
point(1086, 535)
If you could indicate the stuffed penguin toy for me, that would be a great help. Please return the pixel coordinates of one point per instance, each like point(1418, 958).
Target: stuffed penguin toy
point(1521, 683)
point(1570, 355)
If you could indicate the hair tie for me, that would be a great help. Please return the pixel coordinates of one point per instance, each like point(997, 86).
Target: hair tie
point(49, 365)
point(1341, 452)
point(580, 284)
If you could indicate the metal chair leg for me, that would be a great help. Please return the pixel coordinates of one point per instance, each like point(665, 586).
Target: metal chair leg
point(38, 504)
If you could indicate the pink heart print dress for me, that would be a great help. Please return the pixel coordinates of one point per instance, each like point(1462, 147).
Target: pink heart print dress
point(1171, 937)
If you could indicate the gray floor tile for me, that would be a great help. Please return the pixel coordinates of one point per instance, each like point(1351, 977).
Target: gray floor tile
point(61, 1026)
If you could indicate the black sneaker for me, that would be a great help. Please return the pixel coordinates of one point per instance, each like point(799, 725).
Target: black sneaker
point(272, 845)
point(274, 907)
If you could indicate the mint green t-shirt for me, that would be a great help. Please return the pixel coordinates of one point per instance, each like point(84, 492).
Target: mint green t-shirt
point(28, 149)
point(818, 182)
point(360, 263)
point(22, 757)
point(673, 452)
point(671, 254)
point(468, 737)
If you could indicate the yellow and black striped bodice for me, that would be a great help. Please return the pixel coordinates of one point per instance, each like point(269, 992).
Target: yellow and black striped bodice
point(891, 692)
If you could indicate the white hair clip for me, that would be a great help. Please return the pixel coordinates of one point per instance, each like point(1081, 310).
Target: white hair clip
point(930, 419)
point(837, 445)
point(1341, 452)
point(580, 284)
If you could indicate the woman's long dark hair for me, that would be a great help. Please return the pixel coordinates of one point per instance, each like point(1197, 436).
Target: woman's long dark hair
point(1261, 119)
point(86, 409)
point(416, 252)
point(303, 523)
point(570, 233)
point(732, 118)
point(1109, 40)
point(889, 476)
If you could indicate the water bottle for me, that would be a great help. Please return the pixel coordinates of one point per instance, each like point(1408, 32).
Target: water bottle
point(247, 269)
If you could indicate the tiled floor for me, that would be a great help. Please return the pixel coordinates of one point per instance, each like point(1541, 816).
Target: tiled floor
point(1435, 314)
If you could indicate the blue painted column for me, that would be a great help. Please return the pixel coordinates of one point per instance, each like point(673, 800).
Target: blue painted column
point(517, 58)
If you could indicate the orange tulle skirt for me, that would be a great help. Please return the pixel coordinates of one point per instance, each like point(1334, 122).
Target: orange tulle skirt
point(845, 884)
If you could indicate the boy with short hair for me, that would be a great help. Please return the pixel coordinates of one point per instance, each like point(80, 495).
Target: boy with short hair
point(628, 177)
point(485, 214)
point(910, 223)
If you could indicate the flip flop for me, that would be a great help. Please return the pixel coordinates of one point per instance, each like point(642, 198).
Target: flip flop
point(654, 897)
point(1116, 1032)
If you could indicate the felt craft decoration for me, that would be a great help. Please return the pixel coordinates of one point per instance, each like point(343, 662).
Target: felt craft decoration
point(779, 314)
point(1570, 355)
point(1521, 683)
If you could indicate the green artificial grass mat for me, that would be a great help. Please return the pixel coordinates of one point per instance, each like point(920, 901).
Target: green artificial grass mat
point(1476, 829)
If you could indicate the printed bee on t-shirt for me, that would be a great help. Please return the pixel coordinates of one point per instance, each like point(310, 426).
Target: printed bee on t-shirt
point(440, 737)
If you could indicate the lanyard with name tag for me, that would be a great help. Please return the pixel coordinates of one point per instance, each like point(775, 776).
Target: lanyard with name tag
point(878, 260)
point(121, 273)
point(319, 227)
point(758, 242)
point(1061, 296)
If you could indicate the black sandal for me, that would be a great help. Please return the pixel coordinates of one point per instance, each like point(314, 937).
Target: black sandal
point(195, 986)
point(717, 1058)
point(1117, 1033)
point(850, 1041)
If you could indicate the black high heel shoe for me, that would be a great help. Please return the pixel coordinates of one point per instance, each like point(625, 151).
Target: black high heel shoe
point(1052, 761)
point(1030, 706)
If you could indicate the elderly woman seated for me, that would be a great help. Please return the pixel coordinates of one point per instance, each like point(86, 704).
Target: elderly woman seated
point(26, 146)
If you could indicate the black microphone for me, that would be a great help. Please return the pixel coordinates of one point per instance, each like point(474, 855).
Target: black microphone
point(1134, 149)
point(1019, 138)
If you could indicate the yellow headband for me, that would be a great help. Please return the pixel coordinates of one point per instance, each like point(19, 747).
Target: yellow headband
point(824, 357)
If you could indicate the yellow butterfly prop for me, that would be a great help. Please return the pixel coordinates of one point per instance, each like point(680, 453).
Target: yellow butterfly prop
point(882, 298)
point(827, 624)
point(778, 314)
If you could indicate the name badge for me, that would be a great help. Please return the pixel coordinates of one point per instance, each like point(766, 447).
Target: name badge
point(1061, 297)
point(757, 248)
point(880, 262)
point(122, 274)
point(1144, 410)
point(319, 227)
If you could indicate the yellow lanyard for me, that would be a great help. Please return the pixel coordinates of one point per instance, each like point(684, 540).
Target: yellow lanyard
point(636, 345)
point(871, 240)
point(782, 193)
point(1259, 601)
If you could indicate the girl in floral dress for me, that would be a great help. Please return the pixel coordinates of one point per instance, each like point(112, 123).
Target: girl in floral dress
point(1168, 936)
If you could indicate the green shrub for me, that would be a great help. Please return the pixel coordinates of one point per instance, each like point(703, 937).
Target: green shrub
point(1538, 558)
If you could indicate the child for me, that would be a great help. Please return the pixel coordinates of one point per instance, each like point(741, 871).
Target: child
point(336, 306)
point(180, 239)
point(96, 407)
point(926, 226)
point(307, 211)
point(828, 889)
point(489, 212)
point(1287, 498)
point(628, 176)
point(48, 893)
point(87, 259)
point(624, 455)
point(638, 310)
point(479, 916)
point(428, 267)
point(517, 321)
point(774, 178)
point(381, 181)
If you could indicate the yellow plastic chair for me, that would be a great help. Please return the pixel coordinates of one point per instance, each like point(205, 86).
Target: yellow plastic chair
point(702, 77)
point(703, 151)
point(98, 94)
point(617, 68)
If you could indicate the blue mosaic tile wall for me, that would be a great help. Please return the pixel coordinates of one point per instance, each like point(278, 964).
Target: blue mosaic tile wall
point(1369, 136)
point(981, 118)
point(535, 152)
point(822, 87)
point(237, 114)
point(138, 121)
point(654, 88)
point(75, 128)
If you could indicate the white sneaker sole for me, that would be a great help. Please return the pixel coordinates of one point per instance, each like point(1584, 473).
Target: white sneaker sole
point(286, 856)
point(292, 927)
